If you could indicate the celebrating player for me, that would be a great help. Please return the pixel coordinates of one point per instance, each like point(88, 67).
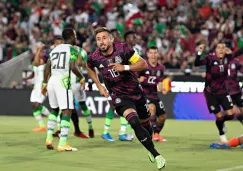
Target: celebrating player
point(110, 114)
point(215, 91)
point(115, 61)
point(151, 81)
point(37, 98)
point(59, 66)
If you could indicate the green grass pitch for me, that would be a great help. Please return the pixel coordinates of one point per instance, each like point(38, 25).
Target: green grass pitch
point(187, 148)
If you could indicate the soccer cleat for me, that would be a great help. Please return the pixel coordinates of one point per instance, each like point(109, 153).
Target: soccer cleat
point(123, 137)
point(157, 137)
point(39, 129)
point(219, 146)
point(56, 134)
point(161, 163)
point(91, 133)
point(66, 148)
point(49, 145)
point(151, 157)
point(130, 137)
point(107, 137)
point(81, 135)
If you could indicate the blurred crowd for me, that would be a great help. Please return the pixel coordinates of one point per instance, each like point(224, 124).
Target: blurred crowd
point(176, 27)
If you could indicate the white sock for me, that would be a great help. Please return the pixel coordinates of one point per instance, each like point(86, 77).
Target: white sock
point(45, 111)
point(223, 138)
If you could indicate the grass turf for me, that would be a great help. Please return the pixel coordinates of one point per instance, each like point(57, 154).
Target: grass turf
point(187, 148)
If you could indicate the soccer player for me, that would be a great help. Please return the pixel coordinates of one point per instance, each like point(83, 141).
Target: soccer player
point(37, 98)
point(110, 114)
point(130, 38)
point(80, 94)
point(42, 59)
point(234, 142)
point(59, 66)
point(215, 91)
point(151, 81)
point(232, 84)
point(117, 62)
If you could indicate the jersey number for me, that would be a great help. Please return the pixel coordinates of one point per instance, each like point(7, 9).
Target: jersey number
point(114, 73)
point(151, 80)
point(61, 57)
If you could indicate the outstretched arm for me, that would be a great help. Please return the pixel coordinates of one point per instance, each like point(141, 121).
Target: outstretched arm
point(198, 60)
point(37, 59)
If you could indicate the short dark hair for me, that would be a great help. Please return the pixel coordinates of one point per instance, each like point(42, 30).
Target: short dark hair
point(101, 29)
point(128, 33)
point(152, 47)
point(114, 30)
point(67, 33)
point(58, 38)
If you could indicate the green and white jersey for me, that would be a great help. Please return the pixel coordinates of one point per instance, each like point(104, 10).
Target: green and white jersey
point(84, 56)
point(39, 76)
point(60, 58)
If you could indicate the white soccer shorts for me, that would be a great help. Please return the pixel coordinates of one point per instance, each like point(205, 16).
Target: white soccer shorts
point(78, 92)
point(36, 96)
point(60, 97)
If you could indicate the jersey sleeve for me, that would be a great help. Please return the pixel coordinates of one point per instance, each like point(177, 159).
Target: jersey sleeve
point(90, 61)
point(200, 62)
point(73, 54)
point(45, 58)
point(130, 54)
point(83, 54)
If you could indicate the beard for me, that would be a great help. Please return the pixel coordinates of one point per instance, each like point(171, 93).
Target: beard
point(104, 49)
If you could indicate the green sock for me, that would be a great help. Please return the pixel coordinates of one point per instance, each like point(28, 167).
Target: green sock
point(123, 128)
point(65, 126)
point(129, 128)
point(44, 110)
point(108, 118)
point(51, 124)
point(87, 114)
point(38, 117)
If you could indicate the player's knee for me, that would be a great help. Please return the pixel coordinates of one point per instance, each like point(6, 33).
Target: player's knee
point(229, 112)
point(218, 115)
point(133, 120)
point(162, 118)
point(241, 139)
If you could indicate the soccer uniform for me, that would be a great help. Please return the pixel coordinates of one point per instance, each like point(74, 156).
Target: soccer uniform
point(215, 91)
point(36, 95)
point(153, 75)
point(123, 87)
point(232, 82)
point(79, 93)
point(59, 84)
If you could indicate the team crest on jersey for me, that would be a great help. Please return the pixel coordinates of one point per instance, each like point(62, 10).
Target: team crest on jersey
point(118, 59)
point(158, 73)
point(215, 63)
point(212, 108)
point(233, 66)
point(147, 72)
point(118, 100)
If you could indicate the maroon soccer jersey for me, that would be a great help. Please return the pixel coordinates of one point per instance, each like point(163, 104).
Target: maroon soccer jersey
point(119, 84)
point(153, 75)
point(232, 82)
point(217, 71)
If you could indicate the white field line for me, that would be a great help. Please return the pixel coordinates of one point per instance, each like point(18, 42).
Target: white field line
point(232, 168)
